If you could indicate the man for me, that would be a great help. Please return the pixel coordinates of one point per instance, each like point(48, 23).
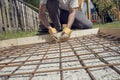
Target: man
point(62, 12)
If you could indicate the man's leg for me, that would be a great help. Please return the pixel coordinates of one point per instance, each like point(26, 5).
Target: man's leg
point(64, 16)
point(54, 13)
point(81, 21)
point(43, 29)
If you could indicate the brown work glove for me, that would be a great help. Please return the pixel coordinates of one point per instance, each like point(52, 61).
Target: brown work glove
point(65, 35)
point(53, 33)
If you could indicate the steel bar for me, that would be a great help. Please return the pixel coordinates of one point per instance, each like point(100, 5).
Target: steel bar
point(66, 69)
point(103, 60)
point(50, 53)
point(54, 62)
point(32, 75)
point(89, 53)
point(60, 61)
point(82, 63)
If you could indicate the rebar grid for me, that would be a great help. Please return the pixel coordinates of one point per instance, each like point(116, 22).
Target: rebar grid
point(91, 57)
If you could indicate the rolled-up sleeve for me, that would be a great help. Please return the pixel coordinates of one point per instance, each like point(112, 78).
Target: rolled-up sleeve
point(43, 2)
point(73, 4)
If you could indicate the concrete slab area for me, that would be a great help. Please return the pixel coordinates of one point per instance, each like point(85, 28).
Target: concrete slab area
point(89, 57)
point(42, 38)
point(83, 57)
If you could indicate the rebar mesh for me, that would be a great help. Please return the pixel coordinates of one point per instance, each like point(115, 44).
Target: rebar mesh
point(82, 58)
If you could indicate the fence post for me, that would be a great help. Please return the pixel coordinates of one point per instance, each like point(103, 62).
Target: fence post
point(8, 15)
point(1, 24)
point(23, 15)
point(12, 11)
point(16, 15)
point(37, 20)
point(29, 19)
point(4, 16)
point(26, 17)
point(34, 20)
point(88, 10)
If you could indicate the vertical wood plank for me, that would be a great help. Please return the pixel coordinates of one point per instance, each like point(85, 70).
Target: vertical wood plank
point(37, 20)
point(26, 16)
point(29, 19)
point(8, 15)
point(12, 15)
point(32, 18)
point(26, 22)
point(1, 24)
point(21, 16)
point(23, 11)
point(16, 16)
point(4, 15)
point(88, 10)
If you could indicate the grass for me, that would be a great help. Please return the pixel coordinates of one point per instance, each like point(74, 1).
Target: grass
point(19, 34)
point(108, 25)
point(12, 35)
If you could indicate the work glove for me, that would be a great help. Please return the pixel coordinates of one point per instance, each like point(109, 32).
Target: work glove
point(65, 35)
point(53, 33)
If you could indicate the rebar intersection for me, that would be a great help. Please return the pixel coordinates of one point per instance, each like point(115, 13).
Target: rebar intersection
point(81, 58)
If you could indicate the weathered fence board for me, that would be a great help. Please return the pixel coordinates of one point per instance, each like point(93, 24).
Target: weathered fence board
point(12, 16)
point(16, 15)
point(3, 15)
point(8, 14)
point(1, 25)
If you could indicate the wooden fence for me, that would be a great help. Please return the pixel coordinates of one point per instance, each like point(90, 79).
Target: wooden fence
point(17, 16)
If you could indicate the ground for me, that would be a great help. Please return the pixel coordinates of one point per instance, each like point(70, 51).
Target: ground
point(90, 57)
point(10, 35)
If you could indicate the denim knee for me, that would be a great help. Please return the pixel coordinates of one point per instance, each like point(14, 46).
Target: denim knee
point(89, 25)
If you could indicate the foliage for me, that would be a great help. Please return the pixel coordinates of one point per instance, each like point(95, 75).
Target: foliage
point(102, 6)
point(116, 3)
point(33, 2)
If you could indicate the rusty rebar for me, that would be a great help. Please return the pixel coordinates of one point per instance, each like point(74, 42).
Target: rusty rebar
point(74, 45)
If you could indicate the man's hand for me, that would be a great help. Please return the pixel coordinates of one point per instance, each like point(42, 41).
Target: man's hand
point(54, 34)
point(65, 35)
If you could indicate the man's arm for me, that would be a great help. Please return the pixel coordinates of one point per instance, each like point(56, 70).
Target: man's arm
point(71, 17)
point(42, 16)
point(66, 28)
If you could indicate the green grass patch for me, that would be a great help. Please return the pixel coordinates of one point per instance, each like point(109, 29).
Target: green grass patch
point(19, 34)
point(108, 25)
